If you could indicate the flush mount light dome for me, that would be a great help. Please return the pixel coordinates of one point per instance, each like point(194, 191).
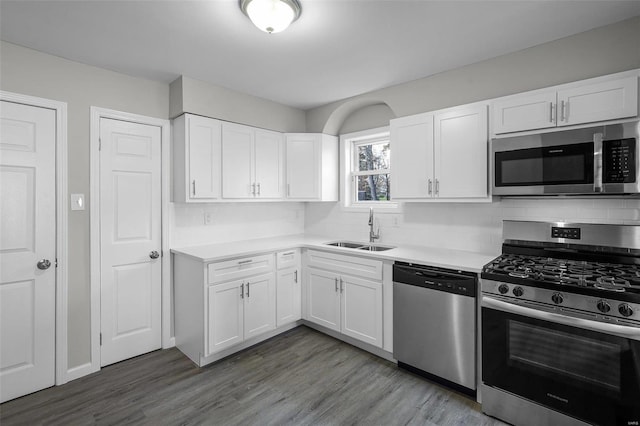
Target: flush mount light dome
point(271, 16)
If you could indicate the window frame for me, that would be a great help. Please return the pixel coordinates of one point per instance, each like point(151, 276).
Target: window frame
point(349, 143)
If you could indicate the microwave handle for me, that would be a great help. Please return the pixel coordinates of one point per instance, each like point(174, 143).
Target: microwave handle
point(597, 162)
point(627, 332)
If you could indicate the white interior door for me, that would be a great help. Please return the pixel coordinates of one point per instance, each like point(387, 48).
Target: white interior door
point(130, 237)
point(27, 243)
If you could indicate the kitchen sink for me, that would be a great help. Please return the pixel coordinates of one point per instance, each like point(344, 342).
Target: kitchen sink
point(345, 244)
point(359, 246)
point(375, 248)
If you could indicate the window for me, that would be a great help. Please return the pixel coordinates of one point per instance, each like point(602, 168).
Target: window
point(371, 170)
point(368, 169)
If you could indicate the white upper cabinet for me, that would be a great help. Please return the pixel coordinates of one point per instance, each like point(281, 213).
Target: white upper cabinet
point(525, 112)
point(441, 155)
point(598, 99)
point(412, 156)
point(608, 100)
point(269, 164)
point(196, 159)
point(252, 163)
point(461, 153)
point(312, 167)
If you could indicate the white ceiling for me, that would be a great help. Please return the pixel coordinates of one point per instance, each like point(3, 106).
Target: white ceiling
point(337, 49)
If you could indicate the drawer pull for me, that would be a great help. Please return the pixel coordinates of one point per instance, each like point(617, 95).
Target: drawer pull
point(244, 262)
point(289, 253)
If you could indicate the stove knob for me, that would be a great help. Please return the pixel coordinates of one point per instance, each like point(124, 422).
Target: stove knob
point(557, 298)
point(518, 291)
point(625, 310)
point(603, 306)
point(503, 288)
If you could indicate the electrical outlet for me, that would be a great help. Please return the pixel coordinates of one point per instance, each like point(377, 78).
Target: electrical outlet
point(208, 218)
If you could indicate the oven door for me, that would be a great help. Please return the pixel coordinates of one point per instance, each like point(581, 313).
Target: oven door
point(559, 169)
point(582, 368)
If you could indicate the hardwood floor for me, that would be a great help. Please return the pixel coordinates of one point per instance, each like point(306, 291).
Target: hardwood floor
point(301, 377)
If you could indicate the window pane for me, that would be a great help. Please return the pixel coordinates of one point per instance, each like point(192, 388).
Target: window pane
point(373, 156)
point(373, 188)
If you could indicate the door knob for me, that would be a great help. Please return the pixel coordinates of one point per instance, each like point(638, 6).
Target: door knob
point(44, 264)
point(154, 255)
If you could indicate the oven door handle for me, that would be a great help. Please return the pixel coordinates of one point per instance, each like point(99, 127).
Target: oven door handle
point(625, 331)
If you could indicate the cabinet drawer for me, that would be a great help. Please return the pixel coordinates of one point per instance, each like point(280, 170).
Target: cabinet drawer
point(239, 268)
point(287, 258)
point(338, 263)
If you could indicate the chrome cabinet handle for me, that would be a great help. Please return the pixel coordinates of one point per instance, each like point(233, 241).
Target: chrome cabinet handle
point(248, 290)
point(242, 291)
point(437, 187)
point(341, 285)
point(552, 114)
point(562, 111)
point(288, 190)
point(253, 189)
point(430, 187)
point(154, 254)
point(244, 262)
point(258, 189)
point(43, 264)
point(295, 276)
point(336, 280)
point(194, 187)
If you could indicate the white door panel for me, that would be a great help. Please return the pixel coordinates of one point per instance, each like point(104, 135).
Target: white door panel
point(323, 301)
point(362, 309)
point(27, 235)
point(225, 316)
point(412, 157)
point(269, 167)
point(130, 203)
point(259, 305)
point(237, 166)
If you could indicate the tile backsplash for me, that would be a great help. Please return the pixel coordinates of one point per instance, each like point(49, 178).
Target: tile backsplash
point(464, 226)
point(227, 222)
point(460, 226)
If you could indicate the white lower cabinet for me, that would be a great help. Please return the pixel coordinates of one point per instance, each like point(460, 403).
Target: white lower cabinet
point(342, 302)
point(288, 288)
point(239, 304)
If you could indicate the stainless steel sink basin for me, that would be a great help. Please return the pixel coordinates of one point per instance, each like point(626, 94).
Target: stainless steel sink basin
point(345, 244)
point(375, 248)
point(359, 246)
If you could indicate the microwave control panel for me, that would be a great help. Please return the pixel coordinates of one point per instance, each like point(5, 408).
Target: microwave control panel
point(619, 161)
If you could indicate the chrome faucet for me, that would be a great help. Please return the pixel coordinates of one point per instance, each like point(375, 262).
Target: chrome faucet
point(372, 235)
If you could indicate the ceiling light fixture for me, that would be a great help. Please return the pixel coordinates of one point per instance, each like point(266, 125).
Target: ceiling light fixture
point(271, 16)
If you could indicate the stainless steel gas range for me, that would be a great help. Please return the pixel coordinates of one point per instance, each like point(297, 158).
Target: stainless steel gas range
point(561, 325)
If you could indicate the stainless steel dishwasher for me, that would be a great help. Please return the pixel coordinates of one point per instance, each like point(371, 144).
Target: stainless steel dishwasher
point(434, 324)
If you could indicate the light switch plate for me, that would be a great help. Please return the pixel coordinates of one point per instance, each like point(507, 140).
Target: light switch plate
point(77, 201)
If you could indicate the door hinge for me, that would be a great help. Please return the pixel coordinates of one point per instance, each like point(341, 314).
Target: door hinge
point(100, 339)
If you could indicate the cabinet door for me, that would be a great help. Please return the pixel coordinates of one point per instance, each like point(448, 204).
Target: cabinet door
point(303, 166)
point(461, 153)
point(412, 157)
point(524, 112)
point(269, 164)
point(237, 162)
point(259, 305)
point(597, 102)
point(203, 145)
point(288, 302)
point(323, 298)
point(225, 321)
point(362, 309)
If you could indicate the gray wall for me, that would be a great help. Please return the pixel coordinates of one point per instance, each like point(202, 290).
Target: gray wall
point(198, 97)
point(29, 72)
point(601, 51)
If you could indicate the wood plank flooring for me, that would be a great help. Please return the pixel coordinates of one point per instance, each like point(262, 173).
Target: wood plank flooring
point(301, 377)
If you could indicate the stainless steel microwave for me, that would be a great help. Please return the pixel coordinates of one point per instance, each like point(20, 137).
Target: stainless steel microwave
point(595, 160)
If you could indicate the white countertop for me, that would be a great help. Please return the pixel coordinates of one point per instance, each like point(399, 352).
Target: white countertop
point(444, 258)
